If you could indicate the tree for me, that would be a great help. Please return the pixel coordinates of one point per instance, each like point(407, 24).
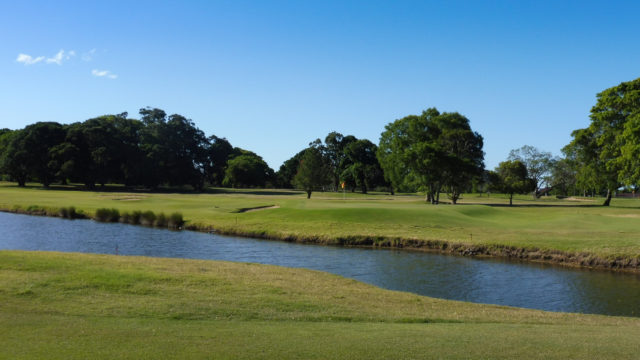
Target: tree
point(463, 155)
point(335, 144)
point(288, 171)
point(247, 170)
point(510, 177)
point(606, 152)
point(13, 159)
point(219, 151)
point(312, 171)
point(563, 176)
point(437, 150)
point(538, 163)
point(38, 139)
point(361, 162)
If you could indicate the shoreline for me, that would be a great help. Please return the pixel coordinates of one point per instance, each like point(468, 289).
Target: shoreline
point(583, 260)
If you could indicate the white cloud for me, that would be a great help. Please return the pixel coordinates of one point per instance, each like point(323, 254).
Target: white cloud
point(60, 57)
point(28, 60)
point(103, 73)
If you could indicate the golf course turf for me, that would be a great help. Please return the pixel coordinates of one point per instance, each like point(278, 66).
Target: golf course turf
point(574, 231)
point(78, 306)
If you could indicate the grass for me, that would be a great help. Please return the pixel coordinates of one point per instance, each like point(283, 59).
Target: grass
point(72, 306)
point(576, 231)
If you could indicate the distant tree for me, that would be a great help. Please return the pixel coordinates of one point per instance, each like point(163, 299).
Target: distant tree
point(361, 162)
point(563, 176)
point(437, 150)
point(334, 151)
point(606, 153)
point(391, 156)
point(510, 177)
point(288, 171)
point(247, 170)
point(176, 150)
point(219, 152)
point(313, 171)
point(14, 156)
point(38, 139)
point(538, 163)
point(462, 152)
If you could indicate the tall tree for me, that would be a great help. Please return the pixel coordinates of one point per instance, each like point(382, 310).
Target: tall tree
point(288, 171)
point(538, 163)
point(361, 163)
point(607, 150)
point(334, 150)
point(439, 150)
point(219, 152)
point(37, 140)
point(14, 156)
point(511, 178)
point(247, 170)
point(312, 171)
point(463, 155)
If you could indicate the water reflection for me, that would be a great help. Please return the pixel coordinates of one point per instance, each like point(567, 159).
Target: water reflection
point(492, 281)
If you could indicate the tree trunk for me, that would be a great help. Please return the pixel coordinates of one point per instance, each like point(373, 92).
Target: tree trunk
point(510, 199)
point(308, 194)
point(607, 201)
point(428, 197)
point(437, 197)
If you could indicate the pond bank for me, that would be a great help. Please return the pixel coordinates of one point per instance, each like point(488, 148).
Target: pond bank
point(549, 256)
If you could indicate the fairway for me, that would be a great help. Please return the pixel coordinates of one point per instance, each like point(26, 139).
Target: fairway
point(573, 231)
point(73, 306)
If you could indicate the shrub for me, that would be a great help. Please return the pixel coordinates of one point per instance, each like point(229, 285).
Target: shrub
point(147, 218)
point(107, 215)
point(134, 219)
point(125, 217)
point(70, 213)
point(161, 220)
point(175, 220)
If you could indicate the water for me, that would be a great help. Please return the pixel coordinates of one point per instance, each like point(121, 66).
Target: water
point(535, 286)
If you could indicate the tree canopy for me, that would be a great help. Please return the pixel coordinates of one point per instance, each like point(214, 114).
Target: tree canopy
point(437, 150)
point(606, 153)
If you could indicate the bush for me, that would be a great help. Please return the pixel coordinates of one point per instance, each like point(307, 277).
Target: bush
point(107, 215)
point(70, 213)
point(161, 220)
point(175, 220)
point(134, 219)
point(147, 218)
point(125, 218)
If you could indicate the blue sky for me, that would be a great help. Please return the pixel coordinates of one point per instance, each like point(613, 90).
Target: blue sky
point(271, 76)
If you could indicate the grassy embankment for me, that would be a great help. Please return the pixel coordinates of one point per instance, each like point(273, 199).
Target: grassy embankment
point(572, 231)
point(75, 306)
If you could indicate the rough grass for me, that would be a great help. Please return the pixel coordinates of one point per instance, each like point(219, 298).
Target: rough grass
point(575, 230)
point(77, 306)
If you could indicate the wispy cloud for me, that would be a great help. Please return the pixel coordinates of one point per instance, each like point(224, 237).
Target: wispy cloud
point(60, 57)
point(28, 59)
point(103, 73)
point(88, 56)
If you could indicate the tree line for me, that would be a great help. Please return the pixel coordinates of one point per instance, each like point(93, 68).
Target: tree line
point(155, 150)
point(434, 152)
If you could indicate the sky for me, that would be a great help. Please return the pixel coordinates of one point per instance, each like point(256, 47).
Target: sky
point(272, 76)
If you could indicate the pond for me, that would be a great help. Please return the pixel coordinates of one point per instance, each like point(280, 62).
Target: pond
point(490, 281)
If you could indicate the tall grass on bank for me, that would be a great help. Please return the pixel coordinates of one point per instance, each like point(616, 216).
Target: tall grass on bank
point(146, 218)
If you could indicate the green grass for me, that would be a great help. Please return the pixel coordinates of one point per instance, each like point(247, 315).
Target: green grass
point(76, 306)
point(570, 225)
